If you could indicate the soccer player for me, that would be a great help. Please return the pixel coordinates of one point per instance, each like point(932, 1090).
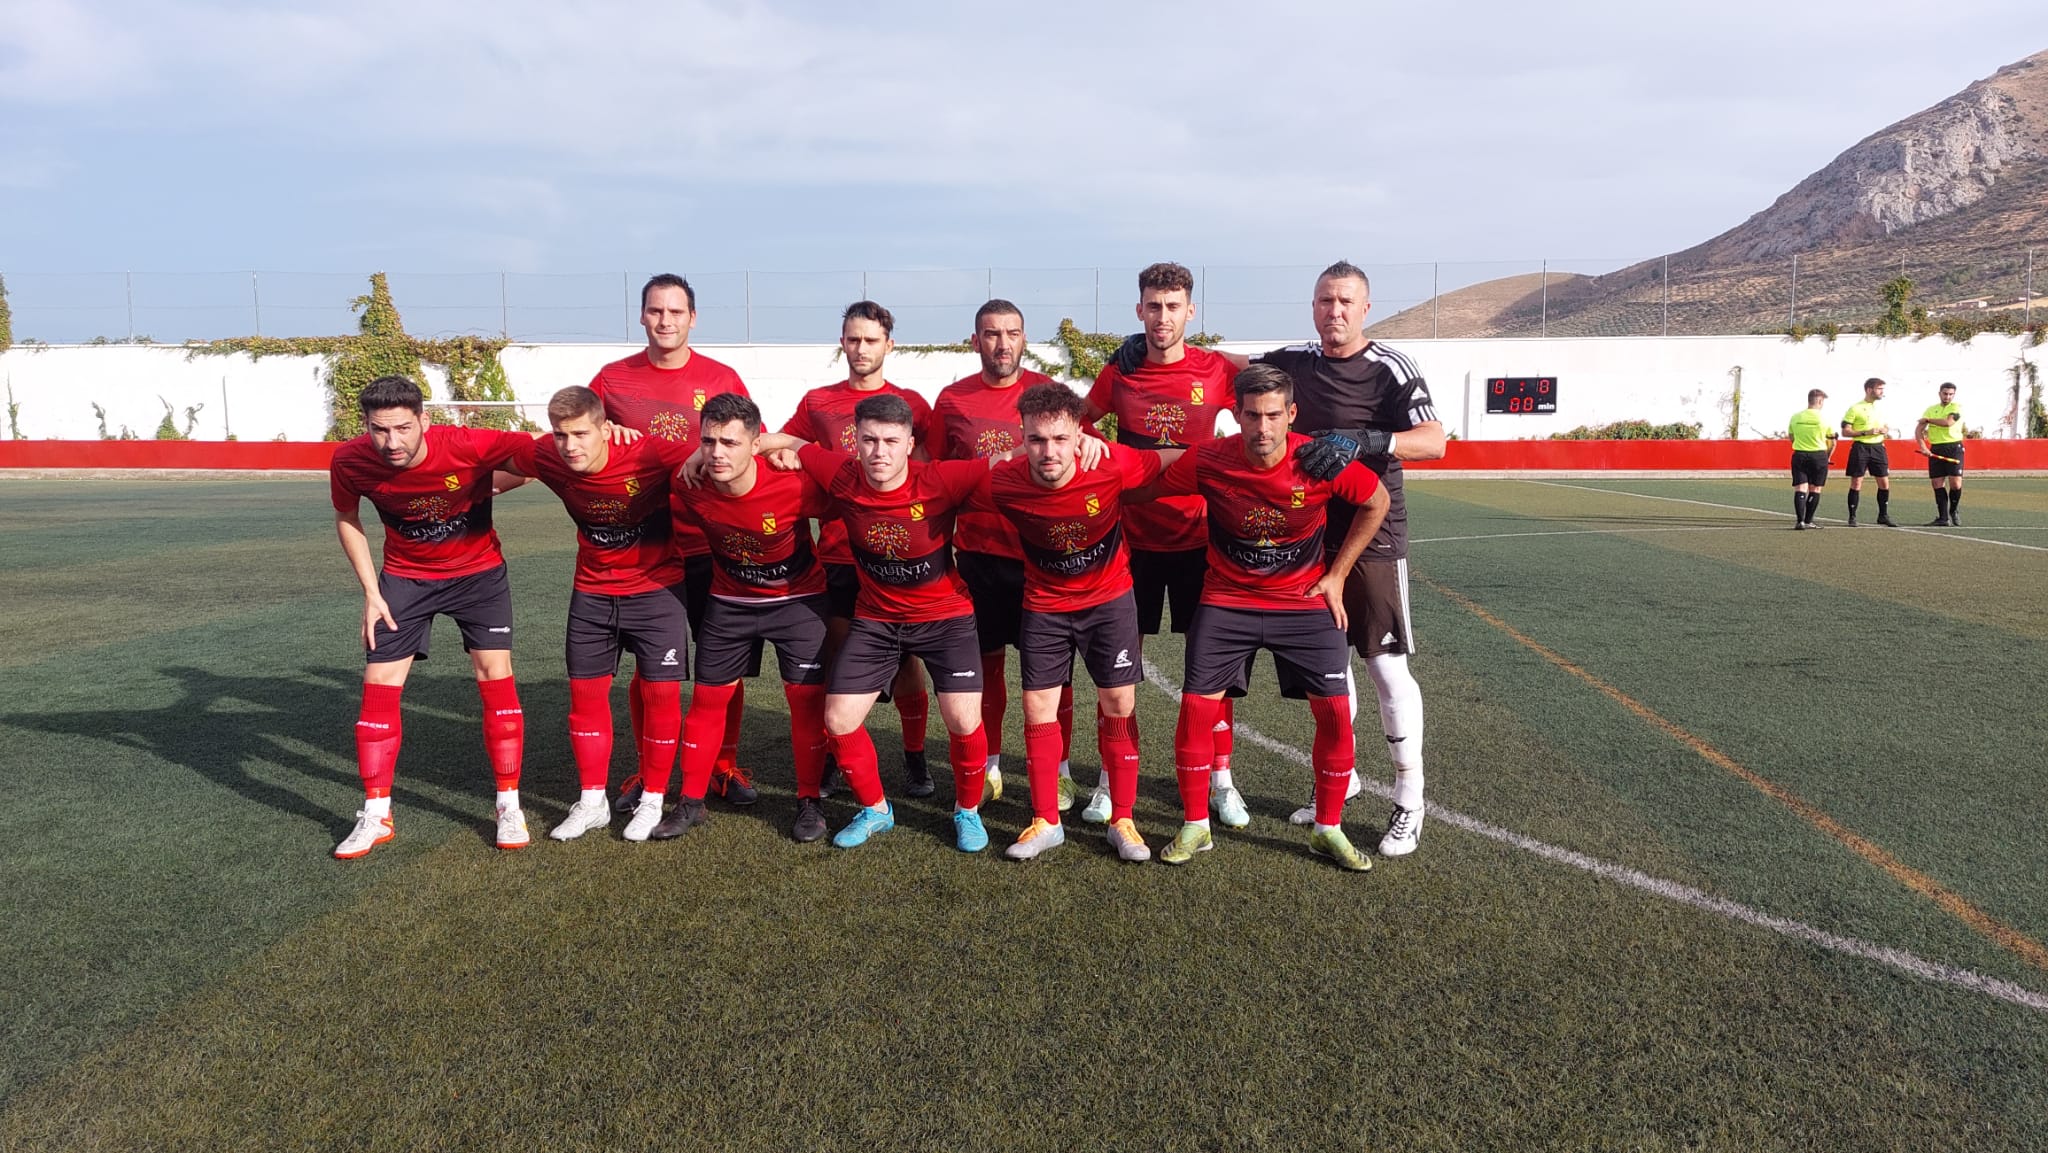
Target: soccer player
point(1268, 588)
point(1812, 441)
point(767, 586)
point(899, 517)
point(431, 486)
point(1171, 398)
point(824, 416)
point(627, 594)
point(975, 418)
point(1864, 429)
point(1940, 433)
point(659, 391)
point(1077, 598)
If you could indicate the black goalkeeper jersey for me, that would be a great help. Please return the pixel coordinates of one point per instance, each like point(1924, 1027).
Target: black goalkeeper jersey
point(1376, 387)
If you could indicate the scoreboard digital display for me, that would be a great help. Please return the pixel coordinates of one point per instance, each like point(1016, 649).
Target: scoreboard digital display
point(1521, 394)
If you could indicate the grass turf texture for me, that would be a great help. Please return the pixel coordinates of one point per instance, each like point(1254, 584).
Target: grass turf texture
point(188, 968)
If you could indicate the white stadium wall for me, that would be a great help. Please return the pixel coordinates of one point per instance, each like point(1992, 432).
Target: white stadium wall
point(1658, 379)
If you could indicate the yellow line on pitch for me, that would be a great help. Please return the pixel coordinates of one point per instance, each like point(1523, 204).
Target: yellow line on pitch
point(1998, 932)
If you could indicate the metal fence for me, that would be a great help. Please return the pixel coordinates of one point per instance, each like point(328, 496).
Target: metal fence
point(1580, 297)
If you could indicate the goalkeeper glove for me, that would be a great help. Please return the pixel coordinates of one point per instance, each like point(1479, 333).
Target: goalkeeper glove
point(1325, 456)
point(1130, 355)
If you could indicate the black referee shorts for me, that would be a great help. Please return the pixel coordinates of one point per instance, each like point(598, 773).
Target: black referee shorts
point(1810, 467)
point(1867, 458)
point(1945, 459)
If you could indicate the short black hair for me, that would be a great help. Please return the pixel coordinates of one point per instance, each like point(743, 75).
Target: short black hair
point(668, 280)
point(727, 407)
point(869, 310)
point(1873, 382)
point(1167, 276)
point(1345, 270)
point(1259, 379)
point(1813, 394)
point(885, 408)
point(1052, 399)
point(392, 392)
point(996, 307)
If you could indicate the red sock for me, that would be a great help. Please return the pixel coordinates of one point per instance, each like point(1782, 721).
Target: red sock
point(636, 702)
point(378, 733)
point(701, 729)
point(970, 767)
point(590, 730)
point(807, 735)
point(914, 710)
point(855, 752)
point(995, 700)
point(1042, 769)
point(729, 745)
point(1194, 747)
point(1066, 717)
point(1332, 755)
point(504, 730)
point(1225, 728)
point(1116, 739)
point(663, 726)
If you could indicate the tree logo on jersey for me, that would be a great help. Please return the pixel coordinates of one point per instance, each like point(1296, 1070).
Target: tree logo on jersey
point(917, 511)
point(1298, 498)
point(889, 538)
point(451, 482)
point(745, 548)
point(1166, 420)
point(428, 507)
point(1195, 393)
point(1263, 525)
point(994, 442)
point(669, 426)
point(847, 439)
point(767, 524)
point(1093, 504)
point(697, 401)
point(605, 512)
point(1068, 536)
point(632, 486)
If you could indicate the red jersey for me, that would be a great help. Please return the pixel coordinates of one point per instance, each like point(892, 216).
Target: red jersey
point(761, 542)
point(900, 537)
point(624, 544)
point(436, 514)
point(1072, 536)
point(1167, 406)
point(972, 421)
point(825, 416)
point(663, 403)
point(1265, 525)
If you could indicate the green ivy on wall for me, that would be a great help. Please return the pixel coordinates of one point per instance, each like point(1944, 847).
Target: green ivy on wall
point(6, 319)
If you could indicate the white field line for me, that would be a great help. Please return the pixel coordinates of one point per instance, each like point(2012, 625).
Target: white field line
point(1572, 532)
point(1906, 962)
point(1780, 513)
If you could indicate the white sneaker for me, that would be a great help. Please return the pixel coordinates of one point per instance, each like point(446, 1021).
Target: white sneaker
point(646, 815)
point(512, 832)
point(582, 818)
point(1123, 837)
point(1306, 815)
point(1098, 810)
point(368, 834)
point(1229, 806)
point(1404, 832)
point(1037, 837)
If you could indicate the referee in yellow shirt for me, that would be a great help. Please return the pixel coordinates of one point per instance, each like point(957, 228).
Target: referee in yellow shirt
point(1812, 440)
point(1865, 430)
point(1940, 433)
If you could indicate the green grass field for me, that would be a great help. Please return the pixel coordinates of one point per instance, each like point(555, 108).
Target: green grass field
point(1792, 898)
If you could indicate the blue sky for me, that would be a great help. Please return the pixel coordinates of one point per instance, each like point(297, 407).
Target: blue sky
point(527, 137)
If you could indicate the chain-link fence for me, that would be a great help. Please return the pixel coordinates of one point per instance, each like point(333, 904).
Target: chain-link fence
point(1581, 297)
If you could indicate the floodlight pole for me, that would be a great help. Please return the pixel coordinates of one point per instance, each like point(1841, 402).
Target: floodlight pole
point(1436, 306)
point(504, 311)
point(128, 286)
point(255, 303)
point(1545, 329)
point(1667, 296)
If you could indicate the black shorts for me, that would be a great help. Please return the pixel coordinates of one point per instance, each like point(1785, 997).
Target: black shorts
point(697, 596)
point(734, 630)
point(481, 604)
point(1308, 651)
point(996, 585)
point(1106, 636)
point(842, 588)
point(1810, 467)
point(1867, 458)
point(1158, 578)
point(874, 650)
point(651, 624)
point(1945, 459)
point(1376, 603)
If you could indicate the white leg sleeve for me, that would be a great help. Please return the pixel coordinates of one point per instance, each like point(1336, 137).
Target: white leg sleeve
point(1401, 719)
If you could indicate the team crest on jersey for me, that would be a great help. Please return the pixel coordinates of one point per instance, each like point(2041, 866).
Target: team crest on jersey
point(606, 512)
point(1068, 536)
point(669, 426)
point(1093, 504)
point(994, 442)
point(917, 511)
point(1195, 393)
point(743, 547)
point(697, 401)
point(1166, 421)
point(1263, 525)
point(451, 482)
point(888, 538)
point(1298, 498)
point(767, 524)
point(632, 486)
